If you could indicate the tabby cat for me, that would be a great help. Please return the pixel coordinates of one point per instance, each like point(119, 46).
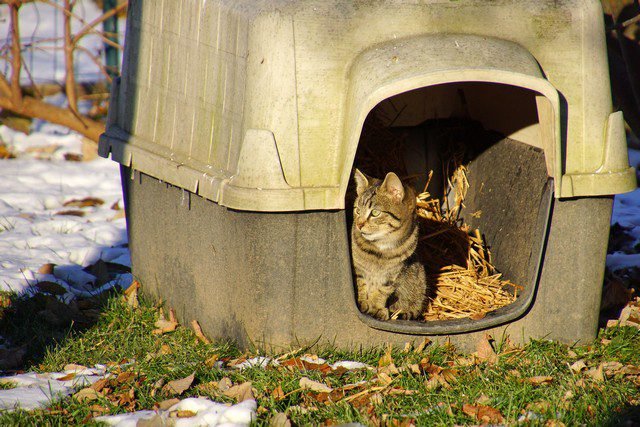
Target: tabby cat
point(384, 237)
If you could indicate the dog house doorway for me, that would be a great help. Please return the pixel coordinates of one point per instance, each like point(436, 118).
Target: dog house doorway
point(503, 135)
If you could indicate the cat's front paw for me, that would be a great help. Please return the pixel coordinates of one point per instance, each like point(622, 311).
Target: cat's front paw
point(381, 314)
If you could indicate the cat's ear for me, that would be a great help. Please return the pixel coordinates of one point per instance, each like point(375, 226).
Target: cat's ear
point(394, 187)
point(362, 181)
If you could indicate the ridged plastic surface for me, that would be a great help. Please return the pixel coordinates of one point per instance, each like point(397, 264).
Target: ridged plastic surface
point(258, 105)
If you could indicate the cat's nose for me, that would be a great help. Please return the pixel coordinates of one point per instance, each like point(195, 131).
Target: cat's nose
point(359, 224)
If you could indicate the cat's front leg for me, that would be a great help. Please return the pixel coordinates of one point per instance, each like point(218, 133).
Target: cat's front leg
point(362, 291)
point(378, 297)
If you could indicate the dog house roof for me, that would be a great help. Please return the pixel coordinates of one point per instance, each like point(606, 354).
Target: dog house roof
point(258, 105)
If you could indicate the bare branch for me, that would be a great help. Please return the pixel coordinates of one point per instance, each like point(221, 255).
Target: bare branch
point(37, 108)
point(16, 57)
point(70, 78)
point(96, 60)
point(68, 13)
point(5, 87)
point(91, 25)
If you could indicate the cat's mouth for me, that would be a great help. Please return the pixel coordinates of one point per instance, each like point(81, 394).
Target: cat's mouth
point(371, 236)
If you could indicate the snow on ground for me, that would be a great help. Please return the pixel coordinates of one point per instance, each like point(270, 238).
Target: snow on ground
point(32, 390)
point(207, 413)
point(626, 212)
point(41, 217)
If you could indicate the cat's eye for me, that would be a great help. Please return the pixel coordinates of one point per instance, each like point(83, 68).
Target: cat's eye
point(375, 213)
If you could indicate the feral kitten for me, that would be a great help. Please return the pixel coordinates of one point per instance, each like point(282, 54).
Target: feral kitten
point(384, 237)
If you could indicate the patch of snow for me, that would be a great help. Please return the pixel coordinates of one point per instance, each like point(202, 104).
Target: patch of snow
point(350, 365)
point(33, 231)
point(33, 390)
point(626, 212)
point(207, 413)
point(255, 362)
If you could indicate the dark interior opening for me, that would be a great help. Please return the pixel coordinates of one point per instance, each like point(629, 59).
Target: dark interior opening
point(498, 132)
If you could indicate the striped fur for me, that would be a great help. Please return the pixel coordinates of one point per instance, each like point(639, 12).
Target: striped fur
point(384, 237)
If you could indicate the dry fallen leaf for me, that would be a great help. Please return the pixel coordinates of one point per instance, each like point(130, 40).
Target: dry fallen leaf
point(596, 374)
point(485, 351)
point(484, 414)
point(425, 342)
point(87, 394)
point(308, 384)
point(279, 420)
point(179, 386)
point(540, 380)
point(304, 364)
point(198, 331)
point(578, 366)
point(387, 358)
point(46, 268)
point(164, 326)
point(131, 294)
point(240, 392)
point(100, 384)
point(74, 367)
point(277, 393)
point(81, 203)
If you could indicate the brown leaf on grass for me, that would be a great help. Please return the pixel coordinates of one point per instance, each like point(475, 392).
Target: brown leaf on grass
point(277, 393)
point(131, 294)
point(596, 374)
point(485, 350)
point(81, 203)
point(420, 348)
point(540, 380)
point(164, 326)
point(97, 410)
point(384, 379)
point(172, 315)
point(177, 387)
point(240, 392)
point(125, 377)
point(308, 384)
point(483, 399)
point(629, 370)
point(387, 358)
point(74, 367)
point(611, 368)
point(482, 413)
point(578, 366)
point(198, 331)
point(554, 423)
point(390, 369)
point(297, 363)
point(100, 384)
point(87, 394)
point(211, 361)
point(279, 420)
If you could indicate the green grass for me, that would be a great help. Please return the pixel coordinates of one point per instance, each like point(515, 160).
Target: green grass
point(123, 338)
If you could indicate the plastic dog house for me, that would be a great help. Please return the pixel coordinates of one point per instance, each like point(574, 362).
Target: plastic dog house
point(237, 122)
